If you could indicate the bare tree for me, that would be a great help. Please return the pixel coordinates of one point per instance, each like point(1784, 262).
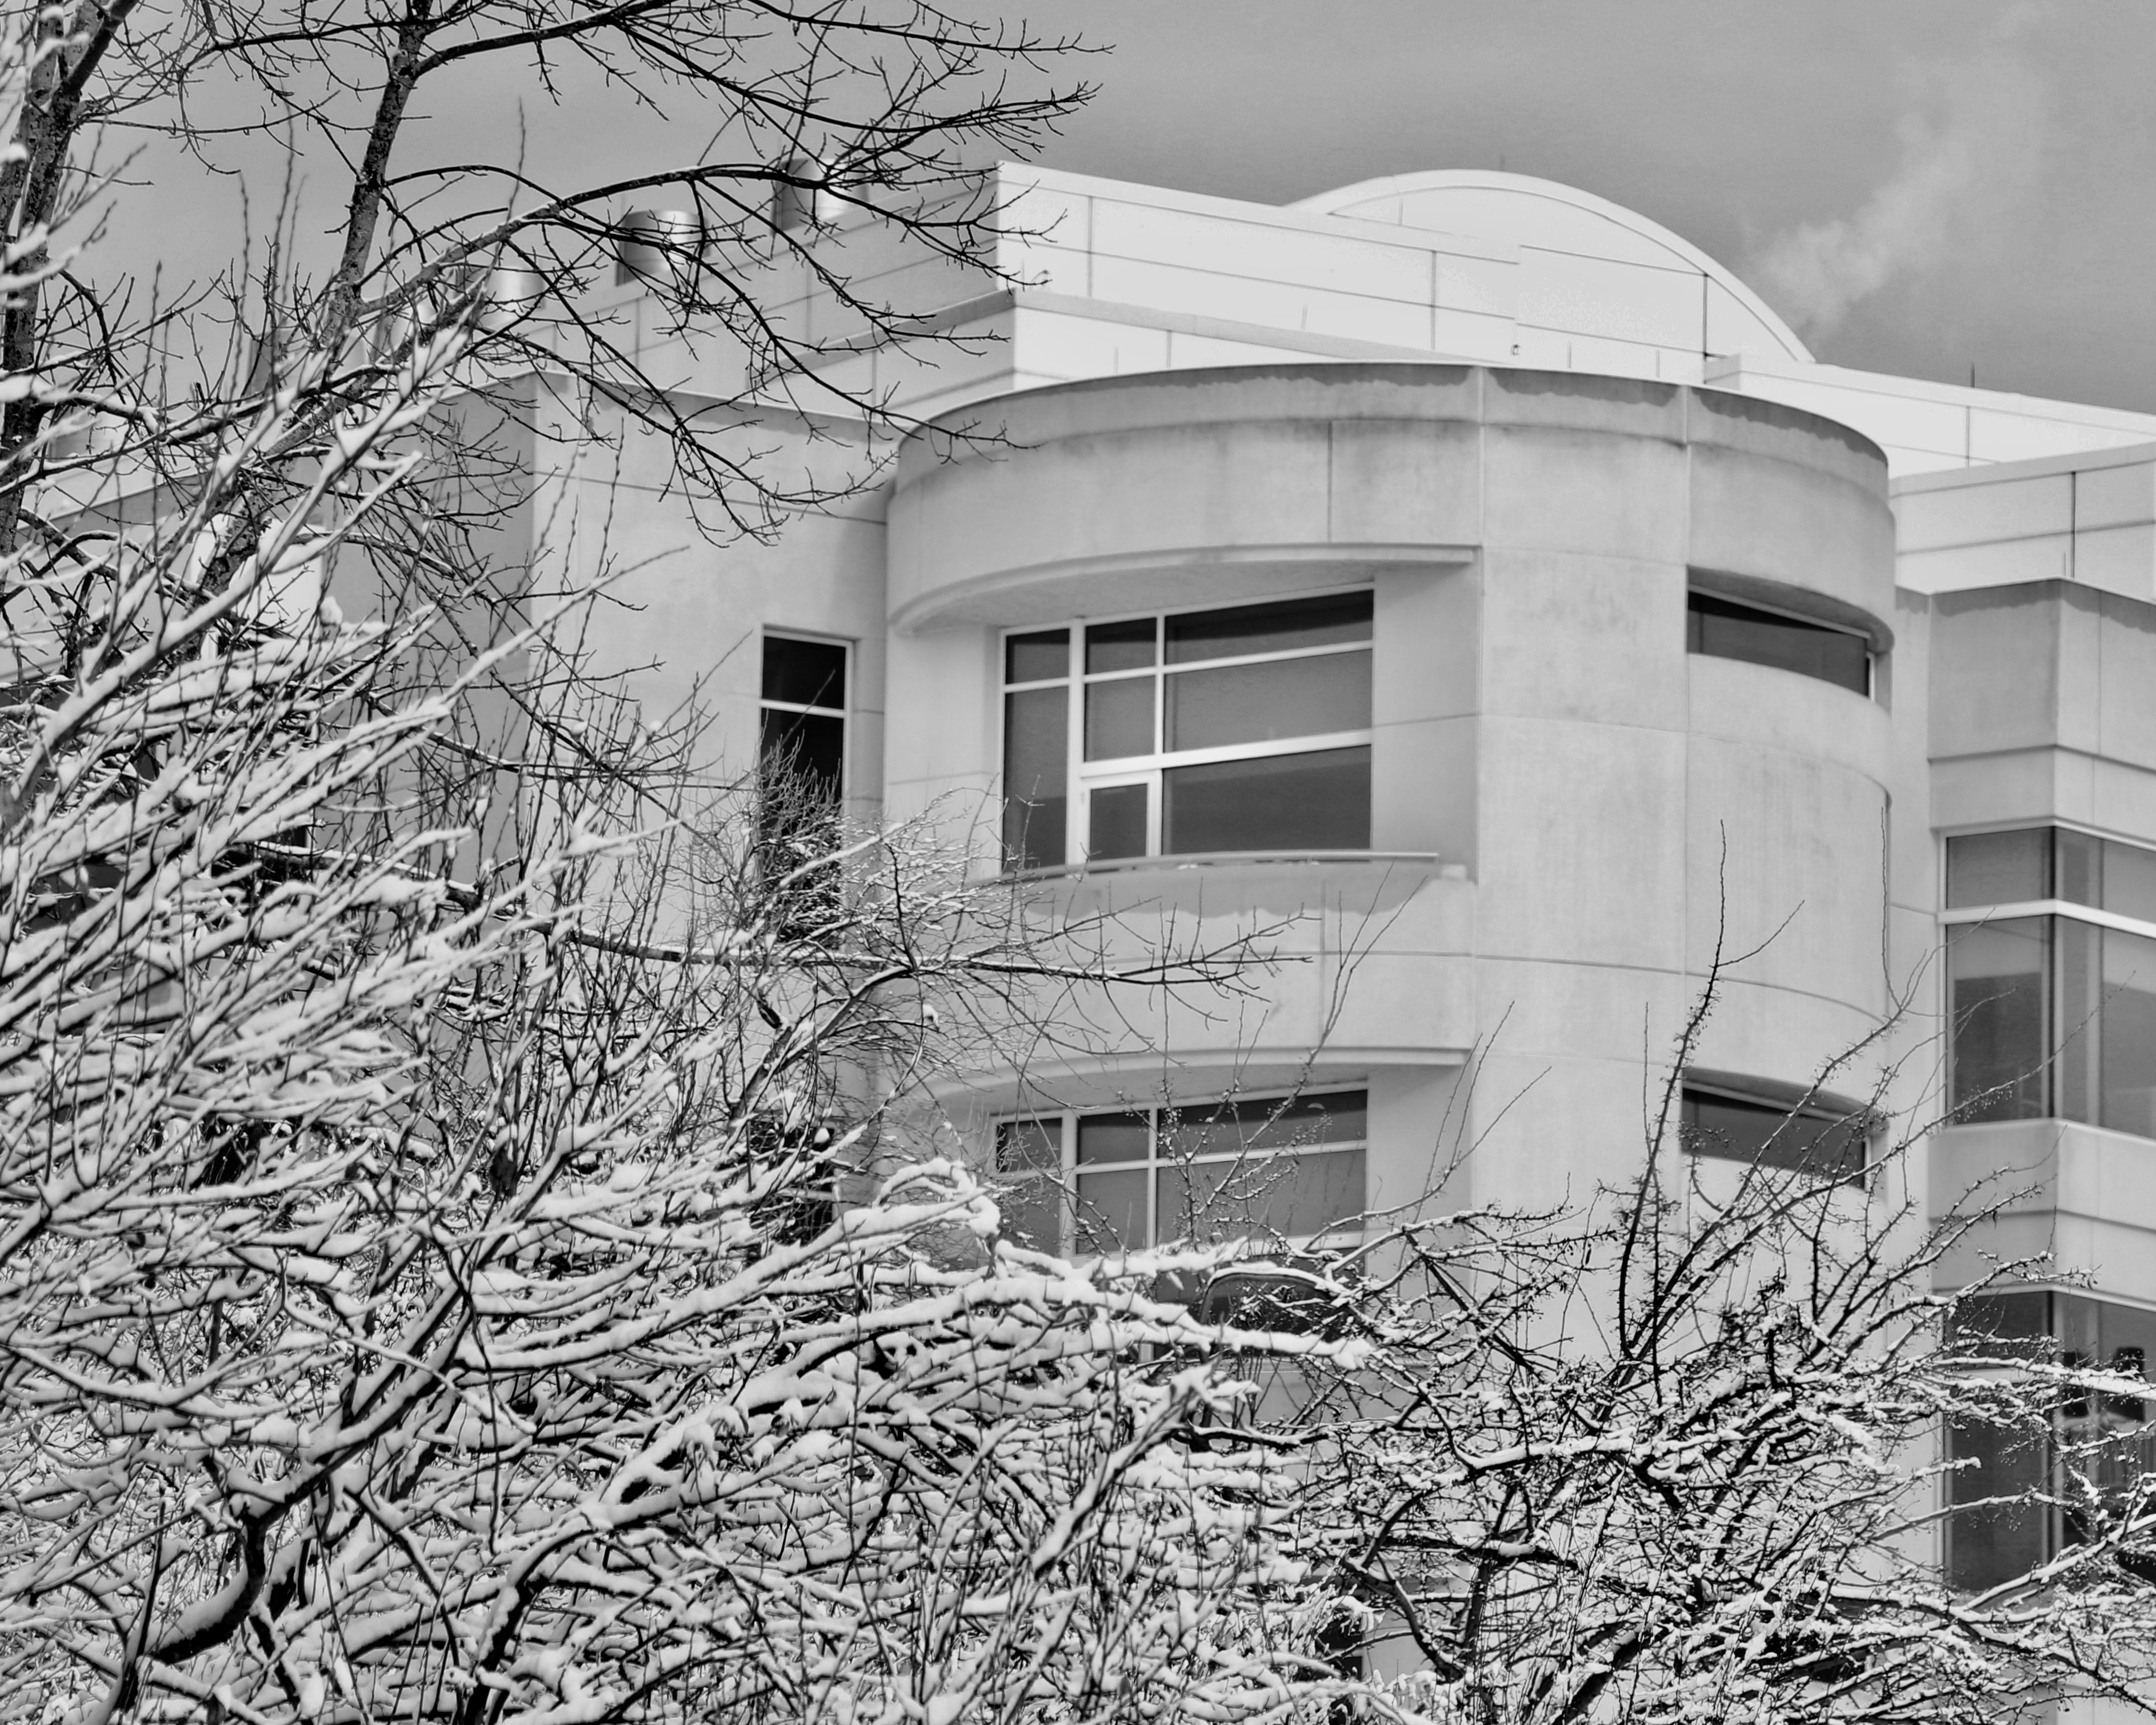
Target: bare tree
point(542, 1295)
point(1680, 1457)
point(832, 151)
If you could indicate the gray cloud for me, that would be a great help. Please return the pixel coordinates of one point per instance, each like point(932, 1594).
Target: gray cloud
point(1972, 142)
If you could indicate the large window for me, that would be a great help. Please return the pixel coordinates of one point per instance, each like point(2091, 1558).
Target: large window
point(1246, 730)
point(2099, 1446)
point(2051, 979)
point(1280, 1167)
point(1724, 629)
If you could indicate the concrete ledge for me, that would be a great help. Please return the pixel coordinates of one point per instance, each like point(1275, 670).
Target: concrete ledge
point(2083, 1196)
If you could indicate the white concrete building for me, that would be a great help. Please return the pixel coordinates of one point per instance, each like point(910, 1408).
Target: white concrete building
point(1482, 575)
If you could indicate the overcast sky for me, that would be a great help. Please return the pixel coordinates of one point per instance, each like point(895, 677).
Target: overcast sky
point(1919, 185)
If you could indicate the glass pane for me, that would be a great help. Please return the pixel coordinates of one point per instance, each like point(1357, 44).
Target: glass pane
point(1319, 801)
point(2077, 1019)
point(1292, 1196)
point(1036, 770)
point(1120, 646)
point(1258, 703)
point(811, 673)
point(2128, 1016)
point(804, 751)
point(1999, 868)
point(2129, 880)
point(1119, 718)
point(1268, 628)
point(1268, 1123)
point(1111, 1211)
point(1033, 1213)
point(1284, 1301)
point(1995, 1034)
point(1035, 658)
point(1115, 1137)
point(1740, 1131)
point(2016, 1324)
point(2125, 1341)
point(1024, 1146)
point(1725, 630)
point(2076, 867)
point(1986, 1546)
point(1115, 821)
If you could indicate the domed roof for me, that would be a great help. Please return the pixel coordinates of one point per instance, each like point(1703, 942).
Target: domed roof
point(1547, 217)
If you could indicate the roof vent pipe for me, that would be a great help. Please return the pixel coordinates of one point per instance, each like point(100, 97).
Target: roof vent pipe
point(511, 294)
point(650, 243)
point(803, 199)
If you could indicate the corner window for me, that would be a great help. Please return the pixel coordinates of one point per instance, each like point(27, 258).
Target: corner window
point(2099, 1451)
point(1243, 730)
point(1825, 1138)
point(801, 741)
point(1724, 629)
point(2050, 939)
point(1280, 1167)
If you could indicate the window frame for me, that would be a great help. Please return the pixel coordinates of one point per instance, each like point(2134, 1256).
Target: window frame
point(2051, 910)
point(1065, 1177)
point(1798, 1106)
point(843, 713)
point(1083, 776)
point(1695, 590)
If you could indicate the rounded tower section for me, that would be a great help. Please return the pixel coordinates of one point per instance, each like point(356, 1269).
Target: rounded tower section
point(1513, 697)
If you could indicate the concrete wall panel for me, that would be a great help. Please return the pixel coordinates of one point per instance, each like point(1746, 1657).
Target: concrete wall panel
point(1550, 489)
point(1580, 854)
point(1405, 482)
point(1994, 672)
point(1787, 861)
point(1424, 783)
point(1569, 636)
point(1791, 523)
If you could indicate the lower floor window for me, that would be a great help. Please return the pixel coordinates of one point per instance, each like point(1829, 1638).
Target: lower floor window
point(1289, 1168)
point(2018, 1499)
point(1811, 1136)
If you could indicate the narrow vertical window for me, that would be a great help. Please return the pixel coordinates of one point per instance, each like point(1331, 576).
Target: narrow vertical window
point(800, 745)
point(1036, 748)
point(1030, 1155)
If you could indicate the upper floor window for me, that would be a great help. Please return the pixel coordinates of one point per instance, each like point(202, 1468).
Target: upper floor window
point(2051, 979)
point(801, 742)
point(1241, 730)
point(1282, 1167)
point(1724, 629)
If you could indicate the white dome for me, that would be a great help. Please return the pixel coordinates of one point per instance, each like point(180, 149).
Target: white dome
point(1579, 241)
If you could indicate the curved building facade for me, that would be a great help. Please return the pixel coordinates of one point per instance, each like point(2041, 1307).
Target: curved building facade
point(1489, 671)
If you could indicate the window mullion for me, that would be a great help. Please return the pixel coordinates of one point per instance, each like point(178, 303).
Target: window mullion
point(1078, 817)
point(1153, 1179)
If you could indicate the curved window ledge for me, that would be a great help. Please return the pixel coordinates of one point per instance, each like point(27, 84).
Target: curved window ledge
point(1239, 858)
